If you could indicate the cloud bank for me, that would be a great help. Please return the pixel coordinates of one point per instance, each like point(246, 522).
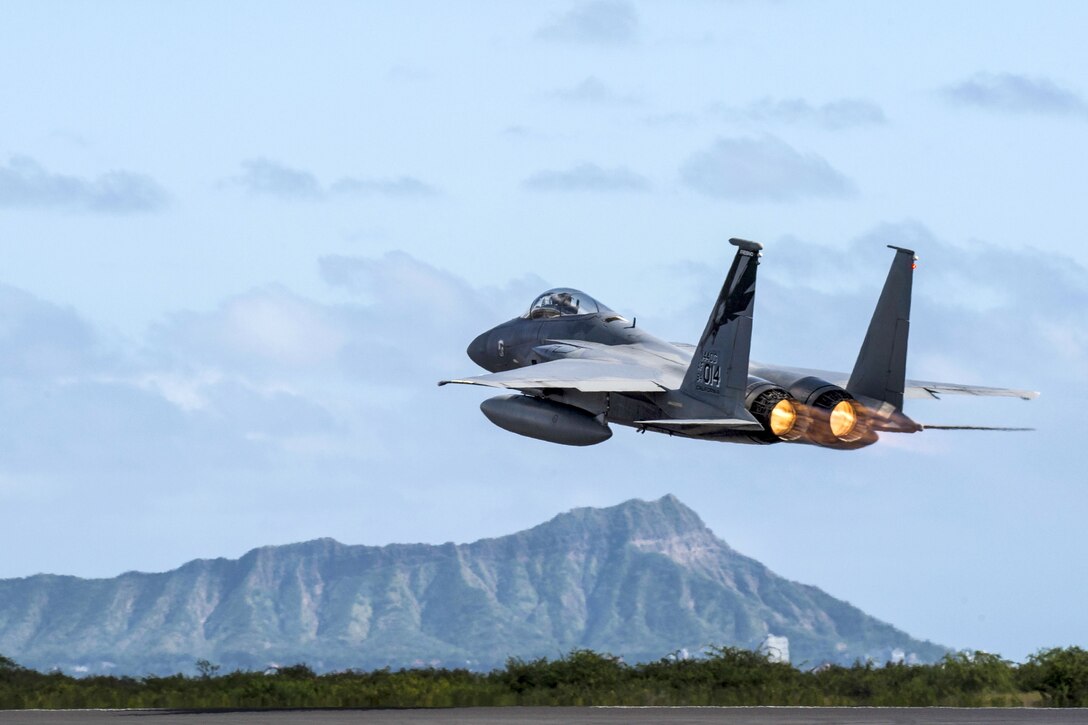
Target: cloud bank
point(1012, 93)
point(264, 177)
point(762, 169)
point(24, 183)
point(40, 340)
point(269, 370)
point(593, 91)
point(603, 22)
point(276, 417)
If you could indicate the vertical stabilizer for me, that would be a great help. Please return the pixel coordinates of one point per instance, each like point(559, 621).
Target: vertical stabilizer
point(718, 374)
point(881, 368)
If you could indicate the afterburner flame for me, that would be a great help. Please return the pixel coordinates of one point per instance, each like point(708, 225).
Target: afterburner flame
point(844, 419)
point(783, 417)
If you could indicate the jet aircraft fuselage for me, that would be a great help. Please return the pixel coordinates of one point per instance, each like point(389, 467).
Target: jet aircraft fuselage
point(579, 366)
point(592, 332)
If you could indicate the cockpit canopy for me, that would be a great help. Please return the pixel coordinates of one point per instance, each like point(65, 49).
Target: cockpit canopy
point(562, 302)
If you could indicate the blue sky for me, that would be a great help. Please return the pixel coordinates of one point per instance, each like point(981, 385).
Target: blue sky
point(242, 242)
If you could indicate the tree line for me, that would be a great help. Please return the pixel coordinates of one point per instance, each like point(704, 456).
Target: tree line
point(723, 676)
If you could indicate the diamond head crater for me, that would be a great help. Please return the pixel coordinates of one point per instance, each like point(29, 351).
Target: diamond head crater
point(640, 580)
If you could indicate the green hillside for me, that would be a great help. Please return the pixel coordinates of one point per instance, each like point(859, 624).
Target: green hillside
point(639, 580)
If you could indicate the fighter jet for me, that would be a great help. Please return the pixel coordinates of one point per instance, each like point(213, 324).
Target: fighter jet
point(578, 366)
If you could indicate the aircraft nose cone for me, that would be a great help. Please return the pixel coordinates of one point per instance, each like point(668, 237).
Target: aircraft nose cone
point(477, 350)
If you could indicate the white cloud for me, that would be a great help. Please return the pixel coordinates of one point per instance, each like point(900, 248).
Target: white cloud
point(281, 327)
point(41, 340)
point(24, 183)
point(604, 22)
point(398, 282)
point(413, 321)
point(269, 328)
point(593, 91)
point(762, 169)
point(267, 378)
point(1013, 93)
point(276, 374)
point(185, 390)
point(263, 177)
point(815, 300)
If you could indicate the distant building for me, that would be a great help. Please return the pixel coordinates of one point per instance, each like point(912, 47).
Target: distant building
point(777, 649)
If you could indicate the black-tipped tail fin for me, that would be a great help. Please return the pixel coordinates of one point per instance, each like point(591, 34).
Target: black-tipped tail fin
point(718, 374)
point(881, 368)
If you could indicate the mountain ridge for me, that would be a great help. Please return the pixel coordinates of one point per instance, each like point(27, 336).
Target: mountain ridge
point(639, 579)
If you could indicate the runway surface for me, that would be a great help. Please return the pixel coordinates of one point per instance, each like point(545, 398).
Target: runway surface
point(558, 716)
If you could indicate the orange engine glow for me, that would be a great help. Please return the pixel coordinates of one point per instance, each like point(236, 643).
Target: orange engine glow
point(844, 418)
point(783, 417)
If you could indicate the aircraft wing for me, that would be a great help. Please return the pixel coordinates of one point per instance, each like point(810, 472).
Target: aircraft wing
point(914, 388)
point(586, 375)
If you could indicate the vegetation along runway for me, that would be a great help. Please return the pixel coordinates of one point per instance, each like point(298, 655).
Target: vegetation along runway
point(558, 715)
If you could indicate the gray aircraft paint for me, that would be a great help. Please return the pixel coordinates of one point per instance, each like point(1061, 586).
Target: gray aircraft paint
point(580, 366)
point(718, 374)
point(881, 368)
